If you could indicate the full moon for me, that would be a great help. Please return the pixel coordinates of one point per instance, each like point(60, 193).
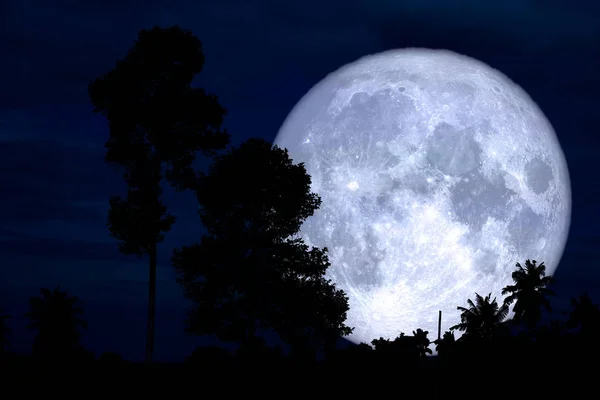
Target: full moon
point(437, 174)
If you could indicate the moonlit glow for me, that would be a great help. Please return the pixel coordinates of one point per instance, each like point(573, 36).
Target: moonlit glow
point(437, 174)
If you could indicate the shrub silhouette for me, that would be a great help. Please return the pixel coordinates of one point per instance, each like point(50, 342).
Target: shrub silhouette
point(58, 320)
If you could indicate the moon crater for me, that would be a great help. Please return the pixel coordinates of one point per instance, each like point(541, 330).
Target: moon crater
point(437, 174)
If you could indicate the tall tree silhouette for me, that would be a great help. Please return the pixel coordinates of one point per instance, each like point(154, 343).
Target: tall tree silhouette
point(251, 271)
point(158, 123)
point(529, 293)
point(482, 319)
point(58, 318)
point(4, 332)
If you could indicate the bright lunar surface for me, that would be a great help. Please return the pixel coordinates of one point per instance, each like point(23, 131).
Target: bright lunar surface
point(437, 174)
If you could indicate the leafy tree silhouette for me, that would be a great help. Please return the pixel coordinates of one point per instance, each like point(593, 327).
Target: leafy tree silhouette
point(584, 315)
point(549, 340)
point(400, 343)
point(58, 318)
point(250, 271)
point(555, 328)
point(157, 124)
point(446, 345)
point(403, 350)
point(529, 293)
point(5, 332)
point(422, 342)
point(482, 320)
point(355, 357)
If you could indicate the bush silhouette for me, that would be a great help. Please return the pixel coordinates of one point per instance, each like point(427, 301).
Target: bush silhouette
point(58, 320)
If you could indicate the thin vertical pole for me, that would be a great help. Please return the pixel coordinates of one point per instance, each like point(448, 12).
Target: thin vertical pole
point(440, 325)
point(438, 369)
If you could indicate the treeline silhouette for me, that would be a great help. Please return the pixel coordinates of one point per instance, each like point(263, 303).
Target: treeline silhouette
point(251, 272)
point(489, 341)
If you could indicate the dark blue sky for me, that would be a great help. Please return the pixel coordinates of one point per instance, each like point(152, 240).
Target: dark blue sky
point(261, 57)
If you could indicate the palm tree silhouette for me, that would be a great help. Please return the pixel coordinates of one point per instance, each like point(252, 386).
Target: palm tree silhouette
point(529, 293)
point(57, 318)
point(482, 319)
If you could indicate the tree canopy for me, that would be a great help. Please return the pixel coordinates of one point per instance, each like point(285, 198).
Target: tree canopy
point(251, 270)
point(482, 319)
point(158, 122)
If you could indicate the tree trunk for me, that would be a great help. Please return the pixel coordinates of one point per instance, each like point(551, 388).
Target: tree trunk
point(151, 305)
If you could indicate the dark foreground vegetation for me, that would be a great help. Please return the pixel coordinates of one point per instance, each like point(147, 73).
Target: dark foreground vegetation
point(250, 272)
point(545, 361)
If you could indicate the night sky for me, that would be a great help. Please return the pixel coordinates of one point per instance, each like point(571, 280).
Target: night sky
point(262, 56)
